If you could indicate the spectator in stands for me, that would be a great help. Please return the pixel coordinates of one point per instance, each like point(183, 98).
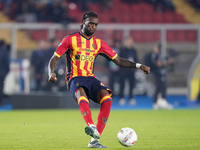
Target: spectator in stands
point(195, 4)
point(4, 67)
point(38, 63)
point(131, 1)
point(43, 11)
point(6, 4)
point(114, 69)
point(26, 11)
point(26, 15)
point(58, 12)
point(159, 71)
point(54, 42)
point(84, 5)
point(127, 51)
point(55, 11)
point(162, 5)
point(105, 5)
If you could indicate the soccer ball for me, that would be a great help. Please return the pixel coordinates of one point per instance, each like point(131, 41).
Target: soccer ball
point(127, 137)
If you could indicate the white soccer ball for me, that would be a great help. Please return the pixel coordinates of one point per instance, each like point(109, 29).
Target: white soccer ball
point(127, 137)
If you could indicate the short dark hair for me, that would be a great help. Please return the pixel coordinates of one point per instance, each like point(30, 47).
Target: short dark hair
point(88, 15)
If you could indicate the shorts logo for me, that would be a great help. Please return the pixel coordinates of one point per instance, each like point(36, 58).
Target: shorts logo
point(77, 84)
point(101, 84)
point(104, 120)
point(84, 113)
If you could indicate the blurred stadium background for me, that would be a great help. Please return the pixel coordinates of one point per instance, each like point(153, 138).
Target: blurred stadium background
point(174, 24)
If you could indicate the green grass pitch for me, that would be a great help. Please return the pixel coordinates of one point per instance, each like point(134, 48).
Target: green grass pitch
point(64, 129)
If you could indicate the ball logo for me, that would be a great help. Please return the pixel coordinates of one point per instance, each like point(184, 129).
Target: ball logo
point(131, 133)
point(128, 137)
point(133, 142)
point(125, 140)
point(121, 131)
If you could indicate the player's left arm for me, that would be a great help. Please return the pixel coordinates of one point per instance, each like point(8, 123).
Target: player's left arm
point(129, 64)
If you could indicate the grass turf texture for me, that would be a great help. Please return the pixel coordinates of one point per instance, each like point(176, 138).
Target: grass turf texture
point(64, 129)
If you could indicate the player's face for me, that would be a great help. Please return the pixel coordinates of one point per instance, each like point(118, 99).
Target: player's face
point(90, 25)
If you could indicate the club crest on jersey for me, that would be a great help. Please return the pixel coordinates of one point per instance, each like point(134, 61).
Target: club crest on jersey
point(77, 84)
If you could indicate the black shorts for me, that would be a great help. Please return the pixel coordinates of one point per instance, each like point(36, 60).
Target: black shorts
point(91, 85)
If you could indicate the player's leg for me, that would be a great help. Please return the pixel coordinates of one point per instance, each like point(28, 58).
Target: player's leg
point(132, 82)
point(156, 92)
point(122, 86)
point(83, 103)
point(1, 91)
point(112, 80)
point(105, 100)
point(163, 88)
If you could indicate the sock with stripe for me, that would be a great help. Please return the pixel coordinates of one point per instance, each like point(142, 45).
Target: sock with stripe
point(83, 103)
point(104, 112)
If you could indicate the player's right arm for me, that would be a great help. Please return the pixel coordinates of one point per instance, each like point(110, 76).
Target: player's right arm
point(61, 49)
point(51, 67)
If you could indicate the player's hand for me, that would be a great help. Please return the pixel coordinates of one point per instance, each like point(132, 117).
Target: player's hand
point(145, 69)
point(52, 77)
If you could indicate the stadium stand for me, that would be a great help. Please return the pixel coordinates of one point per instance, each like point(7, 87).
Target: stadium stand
point(121, 12)
point(187, 11)
point(24, 41)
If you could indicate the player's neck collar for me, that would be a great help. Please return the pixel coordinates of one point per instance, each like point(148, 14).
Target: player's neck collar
point(83, 35)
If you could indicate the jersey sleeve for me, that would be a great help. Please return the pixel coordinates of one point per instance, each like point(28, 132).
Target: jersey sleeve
point(63, 46)
point(107, 51)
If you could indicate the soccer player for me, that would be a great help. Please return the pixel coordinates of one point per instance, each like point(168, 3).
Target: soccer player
point(81, 49)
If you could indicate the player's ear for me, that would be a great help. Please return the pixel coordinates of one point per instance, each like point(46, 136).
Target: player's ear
point(83, 21)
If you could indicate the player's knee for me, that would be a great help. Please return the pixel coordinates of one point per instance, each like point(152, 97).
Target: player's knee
point(82, 99)
point(106, 98)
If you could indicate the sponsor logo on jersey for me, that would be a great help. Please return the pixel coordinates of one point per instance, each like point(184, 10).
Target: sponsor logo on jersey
point(85, 49)
point(84, 57)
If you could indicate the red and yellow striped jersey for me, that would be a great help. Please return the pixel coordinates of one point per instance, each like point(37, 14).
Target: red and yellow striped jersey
point(81, 53)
